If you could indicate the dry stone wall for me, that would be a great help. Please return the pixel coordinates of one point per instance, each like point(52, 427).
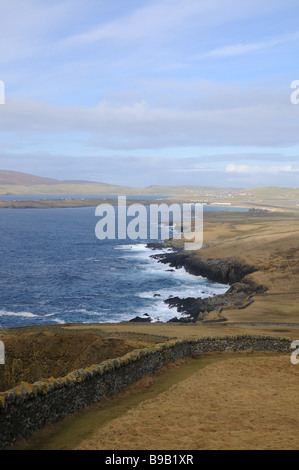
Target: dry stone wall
point(29, 407)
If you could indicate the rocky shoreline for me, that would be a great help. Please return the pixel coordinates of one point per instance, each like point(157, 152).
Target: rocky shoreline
point(228, 271)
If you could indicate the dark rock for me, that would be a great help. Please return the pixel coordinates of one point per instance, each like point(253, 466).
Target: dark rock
point(197, 308)
point(224, 271)
point(228, 271)
point(154, 245)
point(141, 320)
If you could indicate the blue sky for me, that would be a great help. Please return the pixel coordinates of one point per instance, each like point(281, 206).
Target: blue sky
point(144, 92)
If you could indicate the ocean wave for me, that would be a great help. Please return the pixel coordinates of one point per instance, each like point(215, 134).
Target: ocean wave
point(184, 291)
point(158, 312)
point(84, 311)
point(142, 247)
point(136, 247)
point(5, 313)
point(155, 268)
point(59, 321)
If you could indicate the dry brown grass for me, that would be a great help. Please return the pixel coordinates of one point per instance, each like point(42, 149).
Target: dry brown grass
point(241, 403)
point(270, 243)
point(33, 355)
point(198, 330)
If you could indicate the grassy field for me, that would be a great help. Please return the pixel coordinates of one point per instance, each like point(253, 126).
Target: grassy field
point(243, 403)
point(218, 401)
point(271, 244)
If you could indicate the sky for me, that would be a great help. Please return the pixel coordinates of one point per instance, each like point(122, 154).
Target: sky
point(146, 92)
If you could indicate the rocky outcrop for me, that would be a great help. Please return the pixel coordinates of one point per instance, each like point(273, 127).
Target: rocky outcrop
point(224, 271)
point(195, 309)
point(145, 319)
point(228, 271)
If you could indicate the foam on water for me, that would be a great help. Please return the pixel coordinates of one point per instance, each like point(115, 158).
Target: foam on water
point(5, 313)
point(137, 247)
point(185, 284)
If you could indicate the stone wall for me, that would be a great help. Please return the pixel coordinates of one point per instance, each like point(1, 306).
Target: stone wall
point(28, 408)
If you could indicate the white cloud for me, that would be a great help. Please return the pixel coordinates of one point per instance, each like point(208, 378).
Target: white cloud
point(155, 20)
point(26, 27)
point(270, 120)
point(241, 49)
point(247, 169)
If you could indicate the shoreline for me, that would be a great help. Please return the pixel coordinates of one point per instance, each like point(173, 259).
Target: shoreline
point(227, 271)
point(69, 203)
point(76, 201)
point(260, 268)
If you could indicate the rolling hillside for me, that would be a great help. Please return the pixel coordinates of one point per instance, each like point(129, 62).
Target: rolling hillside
point(16, 183)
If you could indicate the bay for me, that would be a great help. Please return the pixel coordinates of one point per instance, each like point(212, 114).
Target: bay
point(53, 269)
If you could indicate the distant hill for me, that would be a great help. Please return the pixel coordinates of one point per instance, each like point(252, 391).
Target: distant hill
point(13, 182)
point(24, 179)
point(16, 183)
point(8, 177)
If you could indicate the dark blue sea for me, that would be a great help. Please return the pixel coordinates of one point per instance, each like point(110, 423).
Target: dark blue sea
point(53, 269)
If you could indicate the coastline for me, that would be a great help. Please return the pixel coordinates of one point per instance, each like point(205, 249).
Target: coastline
point(228, 271)
point(255, 255)
point(71, 202)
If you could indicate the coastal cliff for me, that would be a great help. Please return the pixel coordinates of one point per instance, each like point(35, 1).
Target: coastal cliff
point(228, 271)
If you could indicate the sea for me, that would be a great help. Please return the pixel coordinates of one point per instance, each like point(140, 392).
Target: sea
point(54, 270)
